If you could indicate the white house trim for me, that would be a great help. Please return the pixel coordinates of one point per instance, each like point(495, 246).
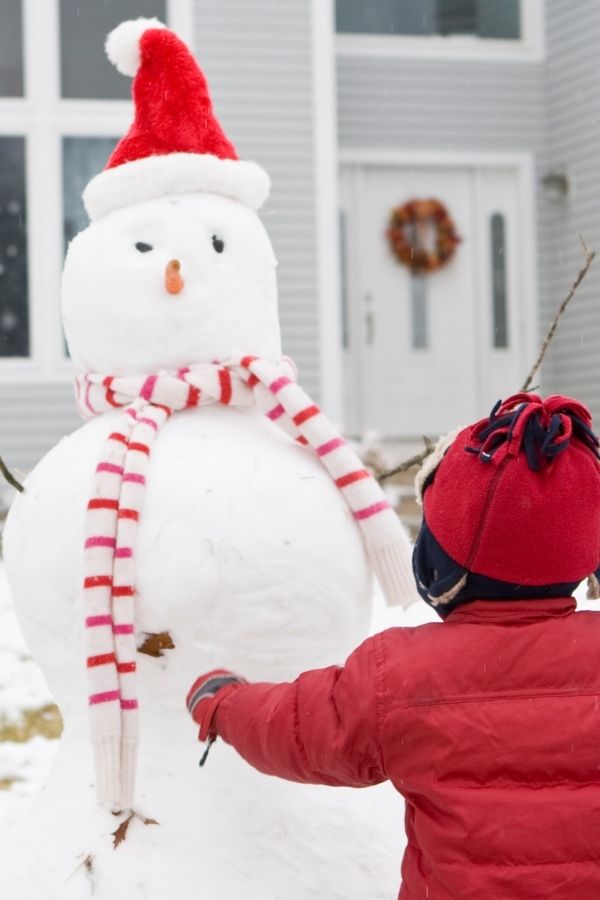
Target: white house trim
point(427, 157)
point(530, 48)
point(326, 206)
point(180, 17)
point(524, 166)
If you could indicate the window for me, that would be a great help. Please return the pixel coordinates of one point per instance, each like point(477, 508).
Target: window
point(343, 232)
point(82, 157)
point(483, 18)
point(85, 72)
point(11, 49)
point(61, 113)
point(14, 308)
point(499, 286)
point(418, 312)
point(474, 28)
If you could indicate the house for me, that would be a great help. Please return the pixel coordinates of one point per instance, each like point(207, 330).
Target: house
point(354, 107)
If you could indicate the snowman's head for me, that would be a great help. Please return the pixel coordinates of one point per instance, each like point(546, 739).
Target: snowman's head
point(169, 282)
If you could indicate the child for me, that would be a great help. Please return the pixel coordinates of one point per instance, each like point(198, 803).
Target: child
point(487, 724)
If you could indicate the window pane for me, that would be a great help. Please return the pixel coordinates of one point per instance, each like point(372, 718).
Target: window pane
point(85, 70)
point(344, 277)
point(418, 305)
point(11, 49)
point(499, 20)
point(457, 16)
point(385, 16)
point(483, 18)
point(14, 304)
point(499, 298)
point(83, 157)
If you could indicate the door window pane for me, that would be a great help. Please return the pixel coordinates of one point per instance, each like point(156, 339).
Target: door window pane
point(418, 306)
point(344, 277)
point(14, 303)
point(85, 70)
point(499, 19)
point(11, 49)
point(83, 157)
point(499, 287)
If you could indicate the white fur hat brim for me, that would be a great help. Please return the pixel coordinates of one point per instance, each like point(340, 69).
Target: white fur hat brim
point(175, 173)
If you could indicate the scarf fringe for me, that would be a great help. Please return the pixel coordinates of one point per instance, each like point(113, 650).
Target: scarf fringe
point(392, 565)
point(107, 758)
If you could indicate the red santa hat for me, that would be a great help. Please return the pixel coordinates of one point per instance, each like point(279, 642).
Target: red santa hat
point(175, 144)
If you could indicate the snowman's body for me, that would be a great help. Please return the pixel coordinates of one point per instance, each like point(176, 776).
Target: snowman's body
point(246, 554)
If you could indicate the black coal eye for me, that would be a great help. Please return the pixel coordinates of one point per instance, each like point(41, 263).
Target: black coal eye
point(142, 247)
point(218, 244)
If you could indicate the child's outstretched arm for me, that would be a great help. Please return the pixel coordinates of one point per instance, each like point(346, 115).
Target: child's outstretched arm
point(320, 729)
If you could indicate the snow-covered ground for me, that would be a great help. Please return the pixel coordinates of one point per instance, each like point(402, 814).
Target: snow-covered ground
point(23, 765)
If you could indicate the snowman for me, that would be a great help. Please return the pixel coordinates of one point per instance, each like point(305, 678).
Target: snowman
point(206, 515)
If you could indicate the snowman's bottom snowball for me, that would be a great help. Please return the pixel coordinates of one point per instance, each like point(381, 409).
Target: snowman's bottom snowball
point(247, 555)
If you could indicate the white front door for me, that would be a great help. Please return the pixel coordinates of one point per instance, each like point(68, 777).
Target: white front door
point(423, 354)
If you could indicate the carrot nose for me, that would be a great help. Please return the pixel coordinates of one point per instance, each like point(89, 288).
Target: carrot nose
point(173, 279)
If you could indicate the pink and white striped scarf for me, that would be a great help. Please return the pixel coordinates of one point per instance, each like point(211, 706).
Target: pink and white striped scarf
point(114, 509)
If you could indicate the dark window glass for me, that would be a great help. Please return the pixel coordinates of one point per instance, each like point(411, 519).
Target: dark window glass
point(499, 286)
point(85, 70)
point(83, 157)
point(14, 303)
point(457, 16)
point(11, 49)
point(483, 18)
point(499, 20)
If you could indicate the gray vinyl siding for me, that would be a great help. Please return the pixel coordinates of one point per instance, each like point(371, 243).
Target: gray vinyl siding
point(396, 104)
point(257, 57)
point(573, 140)
point(258, 60)
point(34, 417)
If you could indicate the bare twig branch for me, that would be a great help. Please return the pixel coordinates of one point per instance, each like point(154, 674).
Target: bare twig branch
point(416, 460)
point(88, 864)
point(9, 477)
point(589, 258)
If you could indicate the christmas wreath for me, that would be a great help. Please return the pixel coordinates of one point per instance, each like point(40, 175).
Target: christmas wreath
point(407, 232)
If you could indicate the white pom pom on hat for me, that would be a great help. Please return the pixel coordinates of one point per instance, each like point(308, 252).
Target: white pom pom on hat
point(123, 44)
point(175, 144)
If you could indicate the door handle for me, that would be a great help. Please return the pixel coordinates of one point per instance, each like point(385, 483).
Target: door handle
point(370, 327)
point(369, 320)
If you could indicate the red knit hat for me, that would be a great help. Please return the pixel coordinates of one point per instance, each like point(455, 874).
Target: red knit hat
point(175, 143)
point(516, 497)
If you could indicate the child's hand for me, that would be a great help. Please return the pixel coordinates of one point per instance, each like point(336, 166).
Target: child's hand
point(204, 697)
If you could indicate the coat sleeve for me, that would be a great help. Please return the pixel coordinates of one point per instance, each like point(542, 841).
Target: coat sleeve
point(320, 729)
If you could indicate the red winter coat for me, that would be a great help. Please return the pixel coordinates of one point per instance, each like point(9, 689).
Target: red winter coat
point(488, 724)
